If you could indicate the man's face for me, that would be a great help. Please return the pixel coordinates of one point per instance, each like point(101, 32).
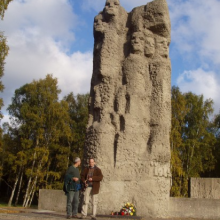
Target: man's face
point(79, 162)
point(98, 26)
point(149, 46)
point(91, 163)
point(137, 42)
point(111, 7)
point(163, 48)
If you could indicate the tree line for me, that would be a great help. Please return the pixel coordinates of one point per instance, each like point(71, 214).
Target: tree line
point(43, 136)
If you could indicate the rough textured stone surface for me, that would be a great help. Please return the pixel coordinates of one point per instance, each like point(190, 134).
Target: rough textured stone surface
point(207, 188)
point(130, 107)
point(54, 200)
point(194, 208)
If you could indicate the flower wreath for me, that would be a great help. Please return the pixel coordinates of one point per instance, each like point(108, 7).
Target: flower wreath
point(128, 209)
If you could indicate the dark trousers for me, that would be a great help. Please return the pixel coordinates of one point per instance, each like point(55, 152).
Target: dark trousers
point(72, 202)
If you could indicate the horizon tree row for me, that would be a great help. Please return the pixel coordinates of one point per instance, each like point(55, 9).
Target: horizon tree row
point(43, 136)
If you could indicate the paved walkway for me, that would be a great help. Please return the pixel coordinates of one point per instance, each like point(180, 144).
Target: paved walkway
point(35, 214)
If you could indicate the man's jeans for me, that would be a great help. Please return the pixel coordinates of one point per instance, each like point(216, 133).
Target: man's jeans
point(72, 202)
point(87, 194)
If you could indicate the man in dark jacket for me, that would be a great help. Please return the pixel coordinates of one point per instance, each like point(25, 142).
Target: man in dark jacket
point(71, 186)
point(91, 177)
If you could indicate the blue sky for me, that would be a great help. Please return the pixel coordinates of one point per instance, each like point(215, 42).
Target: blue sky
point(56, 36)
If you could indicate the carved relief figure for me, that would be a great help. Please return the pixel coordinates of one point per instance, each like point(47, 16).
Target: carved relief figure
point(110, 36)
point(160, 70)
point(111, 8)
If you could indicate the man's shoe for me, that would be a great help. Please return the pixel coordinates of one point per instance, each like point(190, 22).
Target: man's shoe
point(68, 217)
point(83, 217)
point(93, 217)
point(75, 216)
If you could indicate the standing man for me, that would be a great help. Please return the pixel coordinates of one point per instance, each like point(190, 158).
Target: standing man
point(72, 186)
point(91, 177)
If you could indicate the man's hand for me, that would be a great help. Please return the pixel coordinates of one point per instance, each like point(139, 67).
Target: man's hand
point(86, 185)
point(90, 179)
point(75, 179)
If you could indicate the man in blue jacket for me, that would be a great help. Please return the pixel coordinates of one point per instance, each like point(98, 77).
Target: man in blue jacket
point(71, 187)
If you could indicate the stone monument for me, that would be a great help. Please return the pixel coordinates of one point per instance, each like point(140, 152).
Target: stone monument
point(130, 107)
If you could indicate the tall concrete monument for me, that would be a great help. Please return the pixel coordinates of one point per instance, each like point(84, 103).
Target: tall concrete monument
point(130, 107)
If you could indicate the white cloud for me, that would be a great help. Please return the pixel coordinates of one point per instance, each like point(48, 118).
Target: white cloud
point(39, 35)
point(45, 18)
point(34, 61)
point(195, 28)
point(200, 82)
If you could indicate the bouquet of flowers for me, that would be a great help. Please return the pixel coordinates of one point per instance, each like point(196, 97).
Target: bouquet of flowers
point(128, 209)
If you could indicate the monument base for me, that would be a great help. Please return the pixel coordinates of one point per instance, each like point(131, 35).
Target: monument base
point(178, 207)
point(149, 196)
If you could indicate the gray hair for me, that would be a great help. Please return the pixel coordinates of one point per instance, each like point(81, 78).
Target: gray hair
point(77, 159)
